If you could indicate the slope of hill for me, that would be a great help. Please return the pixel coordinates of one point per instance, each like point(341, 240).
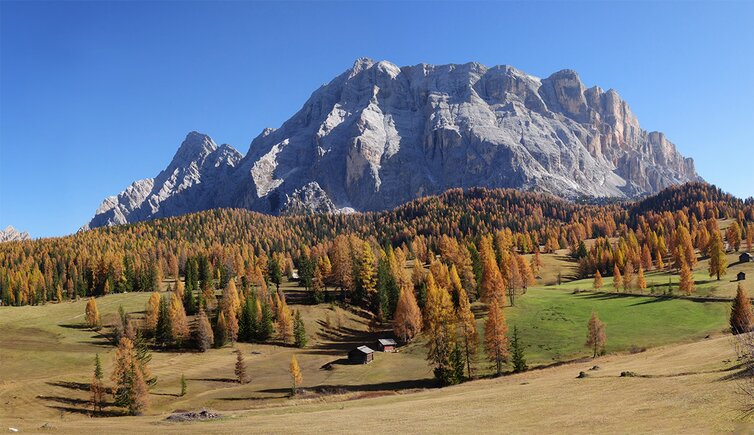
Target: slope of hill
point(379, 135)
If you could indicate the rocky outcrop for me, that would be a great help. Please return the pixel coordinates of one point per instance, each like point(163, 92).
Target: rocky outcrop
point(188, 184)
point(379, 135)
point(10, 234)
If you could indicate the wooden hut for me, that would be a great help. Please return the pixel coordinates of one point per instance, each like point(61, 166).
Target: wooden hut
point(361, 355)
point(386, 345)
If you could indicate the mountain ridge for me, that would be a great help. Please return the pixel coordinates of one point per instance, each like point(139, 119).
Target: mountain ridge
point(379, 135)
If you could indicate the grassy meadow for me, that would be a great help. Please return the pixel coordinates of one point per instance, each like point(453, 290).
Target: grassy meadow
point(47, 360)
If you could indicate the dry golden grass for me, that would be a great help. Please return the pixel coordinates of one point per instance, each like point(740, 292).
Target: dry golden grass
point(681, 389)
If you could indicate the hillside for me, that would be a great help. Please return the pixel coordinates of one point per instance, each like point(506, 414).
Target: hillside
point(679, 388)
point(379, 135)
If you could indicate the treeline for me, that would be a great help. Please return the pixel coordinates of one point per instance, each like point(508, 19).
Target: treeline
point(230, 243)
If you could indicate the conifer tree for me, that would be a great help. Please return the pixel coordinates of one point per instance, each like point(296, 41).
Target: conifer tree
point(741, 316)
point(265, 323)
point(296, 377)
point(299, 330)
point(184, 385)
point(517, 352)
point(617, 281)
point(247, 324)
point(221, 330)
point(595, 338)
point(493, 285)
point(597, 280)
point(366, 280)
point(130, 386)
point(92, 314)
point(230, 305)
point(469, 335)
point(240, 369)
point(718, 263)
point(204, 335)
point(628, 276)
point(407, 322)
point(152, 313)
point(178, 322)
point(164, 331)
point(284, 322)
point(97, 390)
point(275, 273)
point(686, 283)
point(189, 302)
point(440, 331)
point(641, 282)
point(733, 234)
point(495, 336)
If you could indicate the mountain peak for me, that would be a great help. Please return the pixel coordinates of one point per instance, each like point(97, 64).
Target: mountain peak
point(10, 234)
point(379, 135)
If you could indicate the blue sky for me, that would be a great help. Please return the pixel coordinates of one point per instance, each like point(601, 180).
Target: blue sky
point(94, 95)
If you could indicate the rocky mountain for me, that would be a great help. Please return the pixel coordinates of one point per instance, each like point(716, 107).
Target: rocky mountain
point(188, 184)
point(10, 234)
point(379, 135)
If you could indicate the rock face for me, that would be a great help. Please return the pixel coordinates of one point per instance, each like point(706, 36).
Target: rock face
point(379, 135)
point(10, 234)
point(188, 184)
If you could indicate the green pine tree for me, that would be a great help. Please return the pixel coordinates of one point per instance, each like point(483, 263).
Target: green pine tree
point(184, 385)
point(517, 352)
point(164, 332)
point(299, 330)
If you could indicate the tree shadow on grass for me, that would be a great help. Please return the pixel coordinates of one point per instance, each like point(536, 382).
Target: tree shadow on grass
point(89, 412)
point(79, 386)
point(654, 300)
point(382, 386)
point(79, 326)
point(225, 380)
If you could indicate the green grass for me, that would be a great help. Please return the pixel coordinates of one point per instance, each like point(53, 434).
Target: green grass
point(705, 285)
point(553, 323)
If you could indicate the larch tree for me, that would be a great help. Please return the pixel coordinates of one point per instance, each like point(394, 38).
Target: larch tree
point(204, 336)
point(741, 316)
point(366, 279)
point(92, 314)
point(296, 377)
point(496, 336)
point(440, 331)
point(178, 322)
point(284, 322)
point(686, 281)
point(230, 305)
point(152, 312)
point(595, 337)
point(221, 330)
point(342, 264)
point(597, 284)
point(130, 390)
point(240, 368)
point(493, 285)
point(407, 322)
point(733, 235)
point(617, 280)
point(628, 276)
point(641, 282)
point(469, 335)
point(718, 263)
